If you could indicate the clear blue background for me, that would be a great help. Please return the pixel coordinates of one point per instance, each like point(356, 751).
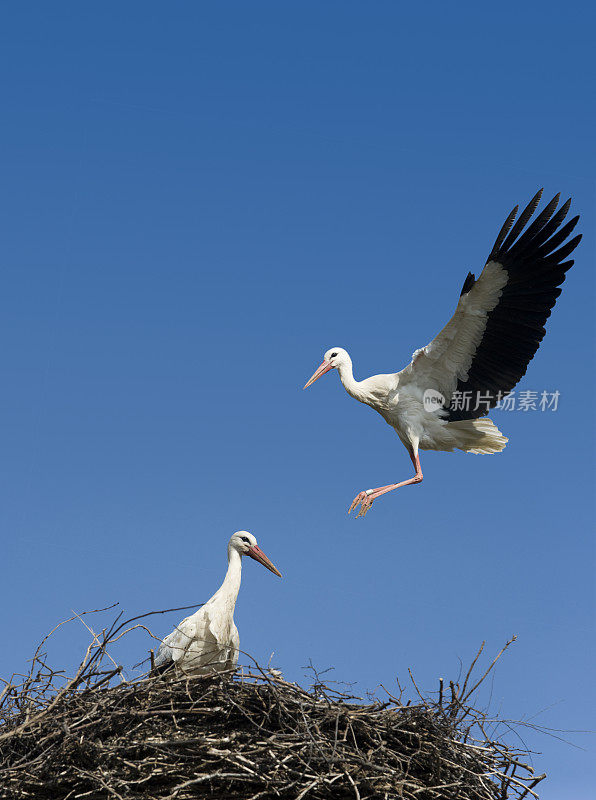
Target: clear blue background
point(197, 200)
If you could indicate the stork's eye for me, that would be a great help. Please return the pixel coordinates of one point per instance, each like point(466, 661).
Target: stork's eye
point(333, 355)
point(245, 539)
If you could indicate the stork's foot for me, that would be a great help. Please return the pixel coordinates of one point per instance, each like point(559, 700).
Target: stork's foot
point(364, 500)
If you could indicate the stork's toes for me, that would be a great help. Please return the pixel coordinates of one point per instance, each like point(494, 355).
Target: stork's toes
point(364, 500)
point(365, 506)
point(355, 502)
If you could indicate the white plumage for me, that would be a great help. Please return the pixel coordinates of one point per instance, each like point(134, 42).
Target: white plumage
point(208, 640)
point(482, 352)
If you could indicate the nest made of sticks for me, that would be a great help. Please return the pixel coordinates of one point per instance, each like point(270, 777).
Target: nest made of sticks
point(246, 735)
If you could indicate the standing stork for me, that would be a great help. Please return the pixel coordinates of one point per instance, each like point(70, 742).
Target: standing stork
point(480, 354)
point(208, 640)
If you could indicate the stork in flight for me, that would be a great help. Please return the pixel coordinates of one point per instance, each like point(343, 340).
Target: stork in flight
point(208, 641)
point(439, 401)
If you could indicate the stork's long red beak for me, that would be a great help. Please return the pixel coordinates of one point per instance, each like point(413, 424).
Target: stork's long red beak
point(324, 367)
point(258, 555)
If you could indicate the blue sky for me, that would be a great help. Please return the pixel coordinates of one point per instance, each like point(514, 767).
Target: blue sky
point(197, 201)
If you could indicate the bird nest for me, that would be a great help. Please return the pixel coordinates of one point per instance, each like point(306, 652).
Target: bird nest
point(248, 734)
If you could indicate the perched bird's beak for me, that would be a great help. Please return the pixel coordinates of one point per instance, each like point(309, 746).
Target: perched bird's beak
point(321, 370)
point(258, 555)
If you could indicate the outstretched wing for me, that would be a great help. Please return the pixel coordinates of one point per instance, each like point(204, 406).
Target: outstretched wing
point(485, 348)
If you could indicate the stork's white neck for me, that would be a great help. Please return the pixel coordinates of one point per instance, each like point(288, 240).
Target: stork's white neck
point(346, 376)
point(228, 591)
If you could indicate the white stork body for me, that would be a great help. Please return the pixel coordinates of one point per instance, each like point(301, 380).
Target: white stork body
point(208, 640)
point(481, 353)
point(400, 401)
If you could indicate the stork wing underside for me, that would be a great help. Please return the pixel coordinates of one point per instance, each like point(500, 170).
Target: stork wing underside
point(485, 348)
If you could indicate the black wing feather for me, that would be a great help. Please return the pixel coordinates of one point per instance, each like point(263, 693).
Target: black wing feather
point(521, 222)
point(558, 238)
point(468, 283)
point(503, 232)
point(525, 240)
point(534, 260)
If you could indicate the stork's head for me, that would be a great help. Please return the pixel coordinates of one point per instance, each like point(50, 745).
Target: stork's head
point(246, 544)
point(333, 359)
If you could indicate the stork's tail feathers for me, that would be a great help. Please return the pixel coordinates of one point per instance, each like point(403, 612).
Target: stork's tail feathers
point(479, 436)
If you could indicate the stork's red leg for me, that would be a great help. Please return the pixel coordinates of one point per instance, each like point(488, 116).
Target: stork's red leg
point(366, 499)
